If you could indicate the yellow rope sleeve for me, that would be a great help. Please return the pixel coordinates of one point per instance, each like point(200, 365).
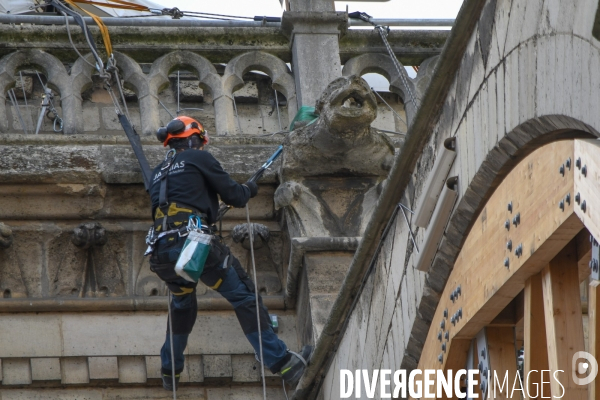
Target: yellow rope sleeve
point(103, 29)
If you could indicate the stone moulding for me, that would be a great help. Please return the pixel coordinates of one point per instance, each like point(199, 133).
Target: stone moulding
point(137, 303)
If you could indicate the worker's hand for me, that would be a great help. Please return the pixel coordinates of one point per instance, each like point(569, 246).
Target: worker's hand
point(253, 188)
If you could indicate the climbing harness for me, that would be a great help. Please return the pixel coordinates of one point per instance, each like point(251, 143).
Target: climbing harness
point(383, 32)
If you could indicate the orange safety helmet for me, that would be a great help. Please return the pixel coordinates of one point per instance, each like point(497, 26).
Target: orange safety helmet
point(181, 127)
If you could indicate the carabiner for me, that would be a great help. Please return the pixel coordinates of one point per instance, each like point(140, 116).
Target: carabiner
point(60, 124)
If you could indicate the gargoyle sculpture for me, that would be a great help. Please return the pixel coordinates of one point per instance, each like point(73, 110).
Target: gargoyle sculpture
point(332, 169)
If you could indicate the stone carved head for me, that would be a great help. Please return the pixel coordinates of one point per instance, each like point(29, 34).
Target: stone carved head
point(347, 106)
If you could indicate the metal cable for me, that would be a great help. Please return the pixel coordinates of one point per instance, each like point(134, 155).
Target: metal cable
point(262, 365)
point(236, 114)
point(13, 99)
point(71, 40)
point(166, 109)
point(52, 109)
point(216, 15)
point(25, 98)
point(177, 112)
point(277, 105)
point(116, 72)
point(172, 353)
point(396, 63)
point(390, 107)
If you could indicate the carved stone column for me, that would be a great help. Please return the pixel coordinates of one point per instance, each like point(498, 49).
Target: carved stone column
point(314, 34)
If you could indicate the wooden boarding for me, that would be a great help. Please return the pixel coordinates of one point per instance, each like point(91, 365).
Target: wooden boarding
point(503, 359)
point(536, 349)
point(588, 184)
point(564, 322)
point(535, 189)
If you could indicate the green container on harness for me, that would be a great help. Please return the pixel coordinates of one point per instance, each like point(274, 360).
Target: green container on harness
point(190, 263)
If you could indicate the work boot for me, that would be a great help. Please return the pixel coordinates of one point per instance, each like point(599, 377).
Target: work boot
point(168, 382)
point(292, 371)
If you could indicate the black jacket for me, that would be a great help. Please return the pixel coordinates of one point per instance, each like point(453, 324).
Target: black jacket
point(195, 178)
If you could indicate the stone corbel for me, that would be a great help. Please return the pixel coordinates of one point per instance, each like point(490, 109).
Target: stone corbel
point(6, 236)
point(89, 234)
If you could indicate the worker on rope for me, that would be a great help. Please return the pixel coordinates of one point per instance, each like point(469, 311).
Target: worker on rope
point(195, 178)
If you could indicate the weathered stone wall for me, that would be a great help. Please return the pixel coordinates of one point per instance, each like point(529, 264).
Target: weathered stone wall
point(79, 304)
point(529, 75)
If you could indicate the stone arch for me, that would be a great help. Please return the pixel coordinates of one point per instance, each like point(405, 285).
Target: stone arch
point(208, 77)
point(382, 64)
point(55, 73)
point(134, 77)
point(207, 73)
point(81, 79)
point(279, 72)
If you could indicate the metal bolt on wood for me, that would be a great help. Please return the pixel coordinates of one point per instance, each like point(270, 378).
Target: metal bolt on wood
point(578, 198)
point(561, 170)
point(584, 171)
point(519, 250)
point(506, 262)
point(568, 198)
point(507, 224)
point(583, 206)
point(447, 335)
point(439, 336)
point(578, 163)
point(517, 219)
point(509, 245)
point(510, 207)
point(444, 347)
point(561, 205)
point(568, 163)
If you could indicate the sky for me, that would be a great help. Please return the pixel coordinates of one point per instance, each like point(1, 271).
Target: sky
point(272, 8)
point(405, 9)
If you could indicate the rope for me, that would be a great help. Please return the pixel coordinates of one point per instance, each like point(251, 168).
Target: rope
point(121, 4)
point(98, 20)
point(262, 365)
point(172, 353)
